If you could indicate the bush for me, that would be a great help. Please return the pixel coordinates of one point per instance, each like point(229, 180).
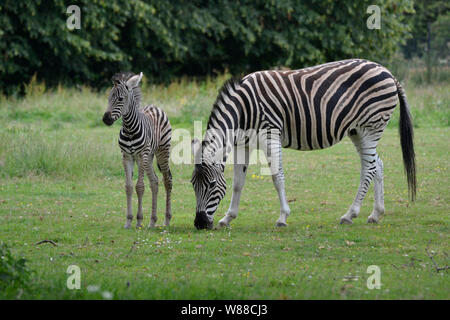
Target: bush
point(172, 38)
point(14, 274)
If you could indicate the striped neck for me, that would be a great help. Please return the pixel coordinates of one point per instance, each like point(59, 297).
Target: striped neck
point(224, 121)
point(218, 141)
point(133, 117)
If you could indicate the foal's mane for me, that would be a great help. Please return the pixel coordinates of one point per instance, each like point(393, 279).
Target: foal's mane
point(123, 77)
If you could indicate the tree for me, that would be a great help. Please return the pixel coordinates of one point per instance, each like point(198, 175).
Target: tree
point(426, 12)
point(171, 38)
point(430, 33)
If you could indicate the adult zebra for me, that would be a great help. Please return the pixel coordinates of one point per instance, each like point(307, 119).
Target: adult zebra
point(306, 109)
point(145, 133)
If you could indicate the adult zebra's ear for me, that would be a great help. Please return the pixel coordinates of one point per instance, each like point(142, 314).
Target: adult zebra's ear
point(196, 152)
point(133, 82)
point(218, 157)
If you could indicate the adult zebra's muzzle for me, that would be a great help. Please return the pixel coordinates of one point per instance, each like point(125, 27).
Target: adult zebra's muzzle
point(202, 222)
point(107, 119)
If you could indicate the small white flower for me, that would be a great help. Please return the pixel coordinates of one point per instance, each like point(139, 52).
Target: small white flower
point(107, 295)
point(93, 288)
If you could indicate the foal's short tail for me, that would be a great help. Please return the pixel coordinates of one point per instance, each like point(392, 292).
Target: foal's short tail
point(406, 141)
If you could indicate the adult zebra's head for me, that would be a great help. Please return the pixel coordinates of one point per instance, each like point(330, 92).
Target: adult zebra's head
point(126, 84)
point(209, 185)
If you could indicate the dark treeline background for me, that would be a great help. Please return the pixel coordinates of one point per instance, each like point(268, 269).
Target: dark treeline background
point(166, 39)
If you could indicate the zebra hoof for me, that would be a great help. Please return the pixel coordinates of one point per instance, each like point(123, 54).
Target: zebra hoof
point(372, 220)
point(222, 224)
point(345, 220)
point(127, 225)
point(281, 224)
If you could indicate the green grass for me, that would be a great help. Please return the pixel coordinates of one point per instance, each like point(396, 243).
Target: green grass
point(61, 179)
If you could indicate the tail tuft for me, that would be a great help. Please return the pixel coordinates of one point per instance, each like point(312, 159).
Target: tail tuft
point(407, 141)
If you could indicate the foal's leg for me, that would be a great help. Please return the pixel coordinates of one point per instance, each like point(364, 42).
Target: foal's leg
point(240, 170)
point(162, 158)
point(140, 187)
point(366, 146)
point(153, 178)
point(272, 149)
point(128, 164)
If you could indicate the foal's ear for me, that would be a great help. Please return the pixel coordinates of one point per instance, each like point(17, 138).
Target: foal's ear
point(195, 150)
point(133, 82)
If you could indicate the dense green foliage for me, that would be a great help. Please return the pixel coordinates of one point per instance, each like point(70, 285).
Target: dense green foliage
point(14, 273)
point(431, 22)
point(170, 38)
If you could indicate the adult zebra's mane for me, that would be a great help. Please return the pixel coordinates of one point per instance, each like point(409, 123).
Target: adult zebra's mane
point(229, 86)
point(123, 77)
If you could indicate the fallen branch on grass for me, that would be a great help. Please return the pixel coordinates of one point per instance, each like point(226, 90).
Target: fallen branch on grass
point(46, 241)
point(434, 262)
point(395, 266)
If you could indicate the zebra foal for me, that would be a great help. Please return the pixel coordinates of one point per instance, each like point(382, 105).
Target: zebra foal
point(145, 134)
point(306, 109)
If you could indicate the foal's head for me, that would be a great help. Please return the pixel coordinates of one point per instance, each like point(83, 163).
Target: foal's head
point(125, 86)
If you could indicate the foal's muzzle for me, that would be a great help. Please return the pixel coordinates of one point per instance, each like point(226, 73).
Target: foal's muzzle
point(201, 221)
point(107, 119)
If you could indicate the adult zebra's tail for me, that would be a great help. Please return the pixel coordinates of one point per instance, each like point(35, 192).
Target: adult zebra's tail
point(406, 141)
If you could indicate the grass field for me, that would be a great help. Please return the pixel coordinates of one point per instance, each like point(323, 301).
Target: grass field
point(62, 179)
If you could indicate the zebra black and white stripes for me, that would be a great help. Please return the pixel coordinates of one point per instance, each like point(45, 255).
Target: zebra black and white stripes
point(306, 109)
point(145, 134)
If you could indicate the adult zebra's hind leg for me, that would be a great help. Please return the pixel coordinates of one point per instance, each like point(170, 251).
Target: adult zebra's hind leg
point(371, 166)
point(378, 206)
point(162, 159)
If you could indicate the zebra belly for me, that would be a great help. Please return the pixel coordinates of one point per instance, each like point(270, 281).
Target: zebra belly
point(305, 147)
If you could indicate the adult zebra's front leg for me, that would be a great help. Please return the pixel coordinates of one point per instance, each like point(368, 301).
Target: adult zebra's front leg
point(241, 160)
point(272, 149)
point(371, 166)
